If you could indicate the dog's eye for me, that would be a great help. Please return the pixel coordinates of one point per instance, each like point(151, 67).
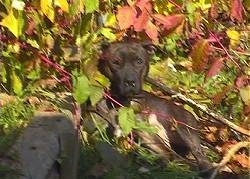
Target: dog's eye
point(139, 61)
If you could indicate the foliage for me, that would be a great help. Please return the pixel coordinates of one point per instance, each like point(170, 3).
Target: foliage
point(13, 118)
point(53, 46)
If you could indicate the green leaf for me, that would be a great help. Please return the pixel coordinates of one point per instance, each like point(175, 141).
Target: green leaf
point(3, 73)
point(82, 89)
point(47, 9)
point(96, 93)
point(91, 5)
point(146, 127)
point(16, 83)
point(126, 119)
point(63, 4)
point(13, 23)
point(107, 32)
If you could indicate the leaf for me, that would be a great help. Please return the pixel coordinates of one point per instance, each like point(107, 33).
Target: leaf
point(214, 11)
point(110, 20)
point(243, 160)
point(145, 127)
point(18, 5)
point(12, 23)
point(107, 32)
point(217, 98)
point(234, 37)
point(245, 95)
point(169, 22)
point(141, 20)
point(81, 90)
point(126, 119)
point(16, 83)
point(144, 5)
point(216, 67)
point(63, 4)
point(237, 10)
point(96, 94)
point(242, 81)
point(47, 9)
point(91, 5)
point(199, 55)
point(125, 16)
point(152, 31)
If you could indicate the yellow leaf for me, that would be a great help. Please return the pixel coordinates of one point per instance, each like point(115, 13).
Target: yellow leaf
point(47, 9)
point(16, 84)
point(11, 23)
point(245, 95)
point(234, 37)
point(63, 4)
point(110, 20)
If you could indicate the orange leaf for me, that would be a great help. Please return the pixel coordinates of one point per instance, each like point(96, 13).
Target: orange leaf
point(216, 67)
point(169, 22)
point(126, 16)
point(152, 31)
point(141, 21)
point(243, 160)
point(199, 55)
point(237, 10)
point(144, 4)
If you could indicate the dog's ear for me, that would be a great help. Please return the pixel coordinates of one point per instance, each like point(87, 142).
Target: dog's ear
point(105, 45)
point(149, 46)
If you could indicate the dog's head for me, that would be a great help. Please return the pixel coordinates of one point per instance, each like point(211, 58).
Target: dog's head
point(125, 64)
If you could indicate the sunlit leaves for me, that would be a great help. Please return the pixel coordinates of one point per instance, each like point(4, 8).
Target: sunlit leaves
point(16, 83)
point(199, 55)
point(245, 95)
point(84, 90)
point(81, 90)
point(125, 16)
point(91, 5)
point(63, 4)
point(169, 22)
point(107, 32)
point(237, 10)
point(152, 31)
point(14, 22)
point(48, 9)
point(234, 37)
point(18, 5)
point(216, 67)
point(128, 122)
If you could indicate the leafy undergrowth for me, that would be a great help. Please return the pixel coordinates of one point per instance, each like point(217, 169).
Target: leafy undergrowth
point(49, 51)
point(13, 118)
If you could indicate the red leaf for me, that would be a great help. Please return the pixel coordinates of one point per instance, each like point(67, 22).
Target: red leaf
point(216, 67)
point(213, 12)
point(199, 55)
point(141, 21)
point(242, 81)
point(144, 4)
point(126, 16)
point(169, 22)
point(237, 10)
point(152, 31)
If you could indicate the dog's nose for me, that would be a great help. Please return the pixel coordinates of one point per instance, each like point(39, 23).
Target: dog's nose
point(130, 83)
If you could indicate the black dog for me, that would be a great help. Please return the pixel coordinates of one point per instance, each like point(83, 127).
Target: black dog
point(126, 64)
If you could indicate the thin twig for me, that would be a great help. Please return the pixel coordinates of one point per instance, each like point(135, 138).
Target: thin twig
point(231, 152)
point(202, 108)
